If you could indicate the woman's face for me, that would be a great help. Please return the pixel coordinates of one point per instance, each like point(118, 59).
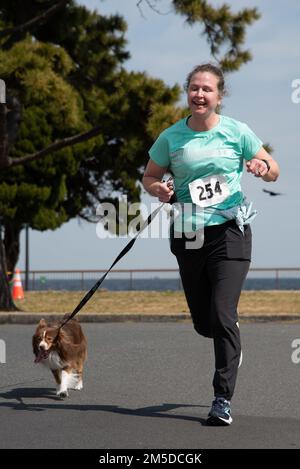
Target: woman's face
point(203, 94)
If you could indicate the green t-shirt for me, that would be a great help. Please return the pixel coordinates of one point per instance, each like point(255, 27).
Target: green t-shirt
point(190, 155)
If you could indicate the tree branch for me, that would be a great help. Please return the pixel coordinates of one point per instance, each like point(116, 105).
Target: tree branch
point(151, 5)
point(37, 21)
point(222, 28)
point(66, 142)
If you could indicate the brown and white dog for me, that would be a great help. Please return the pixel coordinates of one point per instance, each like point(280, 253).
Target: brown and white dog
point(64, 353)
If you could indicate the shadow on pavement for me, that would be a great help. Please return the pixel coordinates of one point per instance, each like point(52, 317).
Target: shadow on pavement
point(18, 394)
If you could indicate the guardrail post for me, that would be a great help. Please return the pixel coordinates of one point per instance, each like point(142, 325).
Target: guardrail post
point(277, 279)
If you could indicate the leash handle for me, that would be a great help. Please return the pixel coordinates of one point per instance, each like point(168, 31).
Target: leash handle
point(173, 199)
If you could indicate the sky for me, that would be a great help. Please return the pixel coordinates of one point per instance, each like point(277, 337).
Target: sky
point(260, 94)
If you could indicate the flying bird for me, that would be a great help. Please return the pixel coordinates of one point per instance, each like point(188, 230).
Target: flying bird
point(272, 192)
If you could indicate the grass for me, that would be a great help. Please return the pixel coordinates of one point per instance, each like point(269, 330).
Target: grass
point(152, 302)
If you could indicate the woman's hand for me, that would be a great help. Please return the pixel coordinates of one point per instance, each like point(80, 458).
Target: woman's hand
point(257, 167)
point(164, 191)
point(153, 183)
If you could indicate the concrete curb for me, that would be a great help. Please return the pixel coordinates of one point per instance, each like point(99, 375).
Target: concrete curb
point(25, 318)
point(29, 318)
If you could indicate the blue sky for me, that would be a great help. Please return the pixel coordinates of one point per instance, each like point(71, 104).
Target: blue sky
point(259, 94)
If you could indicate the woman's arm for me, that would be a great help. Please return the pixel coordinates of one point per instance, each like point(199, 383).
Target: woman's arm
point(259, 168)
point(152, 182)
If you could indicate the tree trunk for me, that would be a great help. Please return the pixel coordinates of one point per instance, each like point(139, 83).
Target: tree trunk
point(6, 301)
point(12, 246)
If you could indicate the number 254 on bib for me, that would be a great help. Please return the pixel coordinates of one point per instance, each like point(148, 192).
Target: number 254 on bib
point(209, 191)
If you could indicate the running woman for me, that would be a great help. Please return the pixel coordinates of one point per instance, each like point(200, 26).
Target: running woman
point(205, 152)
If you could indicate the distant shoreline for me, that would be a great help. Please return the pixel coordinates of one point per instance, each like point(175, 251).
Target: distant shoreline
point(44, 283)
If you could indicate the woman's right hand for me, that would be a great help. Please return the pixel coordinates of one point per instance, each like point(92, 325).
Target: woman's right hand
point(164, 191)
point(155, 185)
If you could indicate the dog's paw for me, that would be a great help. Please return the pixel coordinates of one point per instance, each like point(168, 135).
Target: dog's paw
point(78, 386)
point(62, 394)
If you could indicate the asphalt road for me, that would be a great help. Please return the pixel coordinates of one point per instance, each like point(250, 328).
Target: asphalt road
point(149, 386)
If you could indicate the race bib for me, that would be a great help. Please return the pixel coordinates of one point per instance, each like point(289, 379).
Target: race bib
point(209, 191)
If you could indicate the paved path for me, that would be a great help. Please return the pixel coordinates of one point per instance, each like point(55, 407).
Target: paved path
point(149, 386)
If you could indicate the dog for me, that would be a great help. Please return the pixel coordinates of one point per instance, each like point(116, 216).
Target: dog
point(64, 351)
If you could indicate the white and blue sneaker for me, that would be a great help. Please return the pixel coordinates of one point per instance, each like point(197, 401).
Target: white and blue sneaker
point(220, 412)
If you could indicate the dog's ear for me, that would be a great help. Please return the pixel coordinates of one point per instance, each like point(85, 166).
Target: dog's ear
point(42, 323)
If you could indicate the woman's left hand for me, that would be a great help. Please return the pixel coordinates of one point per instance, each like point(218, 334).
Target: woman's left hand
point(257, 167)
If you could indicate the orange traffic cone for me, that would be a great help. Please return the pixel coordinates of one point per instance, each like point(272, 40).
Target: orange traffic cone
point(17, 289)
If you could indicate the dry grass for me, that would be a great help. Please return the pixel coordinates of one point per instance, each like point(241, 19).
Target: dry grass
point(251, 302)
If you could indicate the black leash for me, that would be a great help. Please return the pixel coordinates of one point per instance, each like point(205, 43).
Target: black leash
point(124, 251)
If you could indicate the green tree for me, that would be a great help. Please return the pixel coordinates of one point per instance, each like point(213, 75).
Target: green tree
point(223, 29)
point(67, 86)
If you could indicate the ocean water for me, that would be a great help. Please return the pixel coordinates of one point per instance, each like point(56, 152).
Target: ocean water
point(157, 284)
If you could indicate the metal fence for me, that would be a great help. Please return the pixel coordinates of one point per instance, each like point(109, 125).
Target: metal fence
point(263, 278)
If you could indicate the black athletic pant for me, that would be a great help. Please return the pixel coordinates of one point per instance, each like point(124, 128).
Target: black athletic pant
point(212, 278)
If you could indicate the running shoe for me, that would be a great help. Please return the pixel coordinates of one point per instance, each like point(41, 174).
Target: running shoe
point(220, 413)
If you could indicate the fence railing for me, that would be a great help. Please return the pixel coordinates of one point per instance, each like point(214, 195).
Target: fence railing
point(131, 278)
